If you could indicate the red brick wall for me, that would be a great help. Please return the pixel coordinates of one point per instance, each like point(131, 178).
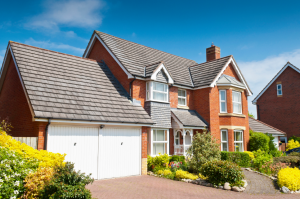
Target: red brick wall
point(282, 112)
point(14, 105)
point(99, 53)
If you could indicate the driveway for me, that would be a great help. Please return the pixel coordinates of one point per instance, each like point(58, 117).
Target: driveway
point(154, 187)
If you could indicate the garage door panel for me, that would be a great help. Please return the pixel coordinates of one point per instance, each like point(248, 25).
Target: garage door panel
point(79, 143)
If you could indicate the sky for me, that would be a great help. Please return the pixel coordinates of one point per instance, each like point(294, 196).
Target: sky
point(261, 35)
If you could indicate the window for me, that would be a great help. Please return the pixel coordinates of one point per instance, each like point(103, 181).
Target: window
point(238, 141)
point(182, 97)
point(160, 141)
point(279, 89)
point(224, 140)
point(223, 104)
point(157, 91)
point(237, 102)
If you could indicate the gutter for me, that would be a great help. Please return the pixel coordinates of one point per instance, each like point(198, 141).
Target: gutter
point(130, 86)
point(46, 134)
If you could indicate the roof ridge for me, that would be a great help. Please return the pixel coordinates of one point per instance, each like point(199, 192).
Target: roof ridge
point(211, 61)
point(268, 125)
point(144, 46)
point(53, 51)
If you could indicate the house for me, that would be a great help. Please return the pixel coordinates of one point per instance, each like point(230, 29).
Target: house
point(278, 103)
point(259, 126)
point(122, 101)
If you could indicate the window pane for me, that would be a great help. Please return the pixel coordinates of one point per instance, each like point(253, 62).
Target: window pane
point(158, 86)
point(160, 135)
point(238, 147)
point(224, 147)
point(238, 136)
point(224, 136)
point(222, 93)
point(158, 148)
point(223, 106)
point(160, 96)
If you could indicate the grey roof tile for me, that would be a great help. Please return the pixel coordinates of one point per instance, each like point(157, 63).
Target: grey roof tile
point(259, 126)
point(68, 87)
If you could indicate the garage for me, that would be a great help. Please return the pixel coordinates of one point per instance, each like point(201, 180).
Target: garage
point(109, 152)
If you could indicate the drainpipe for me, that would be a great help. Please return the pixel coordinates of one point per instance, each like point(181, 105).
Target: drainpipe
point(130, 86)
point(46, 134)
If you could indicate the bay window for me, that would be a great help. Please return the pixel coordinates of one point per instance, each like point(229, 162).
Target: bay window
point(181, 97)
point(223, 103)
point(160, 141)
point(157, 91)
point(237, 102)
point(238, 141)
point(224, 140)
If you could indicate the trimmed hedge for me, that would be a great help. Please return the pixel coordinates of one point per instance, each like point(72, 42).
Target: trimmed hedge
point(240, 158)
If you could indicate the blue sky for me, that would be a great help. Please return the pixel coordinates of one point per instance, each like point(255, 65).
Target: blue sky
point(261, 35)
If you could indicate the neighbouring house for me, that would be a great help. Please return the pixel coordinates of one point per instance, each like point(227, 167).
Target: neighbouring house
point(278, 103)
point(121, 102)
point(259, 126)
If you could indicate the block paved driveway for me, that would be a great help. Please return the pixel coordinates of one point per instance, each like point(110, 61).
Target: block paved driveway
point(154, 187)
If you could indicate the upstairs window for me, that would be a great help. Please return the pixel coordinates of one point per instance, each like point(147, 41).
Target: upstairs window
point(223, 103)
point(279, 89)
point(157, 91)
point(182, 97)
point(237, 102)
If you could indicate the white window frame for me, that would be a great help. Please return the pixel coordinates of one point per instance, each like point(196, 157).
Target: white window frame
point(279, 89)
point(150, 90)
point(182, 97)
point(154, 142)
point(234, 142)
point(223, 101)
point(240, 103)
point(222, 141)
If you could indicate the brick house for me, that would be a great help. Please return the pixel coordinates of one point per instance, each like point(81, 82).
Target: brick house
point(122, 101)
point(278, 103)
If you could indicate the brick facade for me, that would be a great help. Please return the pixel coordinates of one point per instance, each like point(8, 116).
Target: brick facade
point(14, 107)
point(282, 112)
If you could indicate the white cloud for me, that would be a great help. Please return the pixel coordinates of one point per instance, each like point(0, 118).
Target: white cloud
point(259, 73)
point(54, 46)
point(68, 13)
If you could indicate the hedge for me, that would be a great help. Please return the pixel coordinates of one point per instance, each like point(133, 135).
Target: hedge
point(240, 158)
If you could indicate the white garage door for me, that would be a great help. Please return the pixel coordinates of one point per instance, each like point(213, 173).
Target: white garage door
point(114, 152)
point(79, 143)
point(120, 152)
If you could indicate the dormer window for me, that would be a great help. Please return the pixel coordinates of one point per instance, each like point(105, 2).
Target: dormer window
point(157, 92)
point(279, 89)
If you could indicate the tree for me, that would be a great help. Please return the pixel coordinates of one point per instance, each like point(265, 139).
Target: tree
point(204, 148)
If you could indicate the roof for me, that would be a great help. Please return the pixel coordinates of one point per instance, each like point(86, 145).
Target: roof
point(62, 86)
point(288, 64)
point(204, 74)
point(228, 80)
point(134, 57)
point(189, 118)
point(259, 126)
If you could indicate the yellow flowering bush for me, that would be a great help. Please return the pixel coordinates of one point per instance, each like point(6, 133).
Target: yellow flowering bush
point(36, 182)
point(185, 175)
point(292, 144)
point(45, 158)
point(251, 155)
point(290, 178)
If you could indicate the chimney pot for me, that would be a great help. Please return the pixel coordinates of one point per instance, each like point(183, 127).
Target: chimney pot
point(213, 52)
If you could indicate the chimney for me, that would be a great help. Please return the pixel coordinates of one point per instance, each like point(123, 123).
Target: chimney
point(213, 52)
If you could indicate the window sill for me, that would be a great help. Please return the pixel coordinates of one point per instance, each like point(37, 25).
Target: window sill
point(231, 115)
point(182, 107)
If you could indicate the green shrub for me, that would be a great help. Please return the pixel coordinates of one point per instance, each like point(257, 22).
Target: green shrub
point(261, 158)
point(259, 141)
point(13, 171)
point(204, 148)
point(218, 172)
point(67, 183)
point(294, 161)
point(240, 158)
